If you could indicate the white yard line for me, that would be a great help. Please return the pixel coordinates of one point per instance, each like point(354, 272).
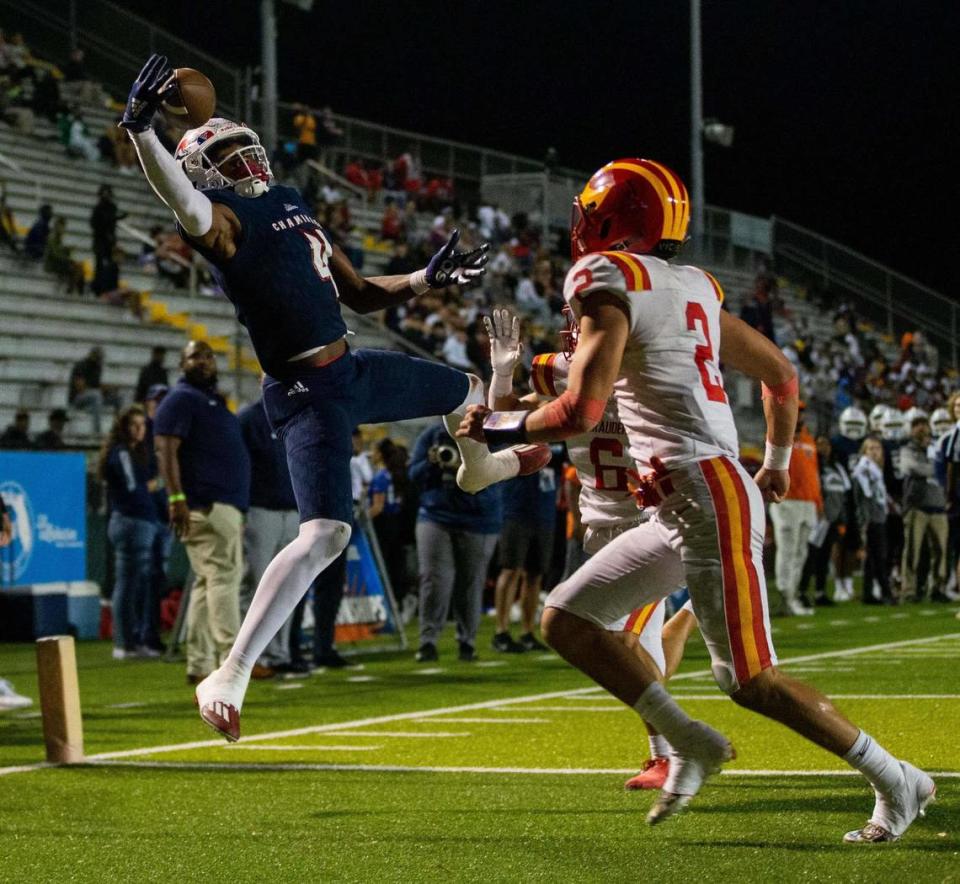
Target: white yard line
point(273, 747)
point(444, 720)
point(417, 735)
point(452, 710)
point(402, 768)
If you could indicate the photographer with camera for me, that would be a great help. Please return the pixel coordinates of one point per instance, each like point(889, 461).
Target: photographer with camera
point(456, 535)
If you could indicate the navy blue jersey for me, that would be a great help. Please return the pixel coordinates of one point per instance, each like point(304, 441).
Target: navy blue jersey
point(279, 280)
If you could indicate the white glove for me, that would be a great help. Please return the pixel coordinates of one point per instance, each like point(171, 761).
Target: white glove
point(505, 347)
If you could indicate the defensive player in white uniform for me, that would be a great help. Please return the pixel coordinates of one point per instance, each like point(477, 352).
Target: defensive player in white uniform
point(654, 335)
point(607, 504)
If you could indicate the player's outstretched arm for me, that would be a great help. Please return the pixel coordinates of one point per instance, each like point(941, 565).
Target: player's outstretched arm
point(604, 329)
point(213, 226)
point(745, 349)
point(447, 267)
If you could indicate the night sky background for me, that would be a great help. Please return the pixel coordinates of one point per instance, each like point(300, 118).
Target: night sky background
point(845, 111)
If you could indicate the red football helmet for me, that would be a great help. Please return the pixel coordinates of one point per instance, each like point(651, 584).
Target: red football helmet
point(634, 204)
point(570, 334)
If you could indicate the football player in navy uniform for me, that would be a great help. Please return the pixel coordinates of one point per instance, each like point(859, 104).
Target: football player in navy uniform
point(286, 280)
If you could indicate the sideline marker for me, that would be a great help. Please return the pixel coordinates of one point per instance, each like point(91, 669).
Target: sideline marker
point(60, 699)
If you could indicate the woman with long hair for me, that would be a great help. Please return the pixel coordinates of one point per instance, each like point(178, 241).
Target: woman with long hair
point(126, 467)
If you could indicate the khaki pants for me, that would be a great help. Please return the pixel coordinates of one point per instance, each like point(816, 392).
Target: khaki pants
point(917, 527)
point(215, 549)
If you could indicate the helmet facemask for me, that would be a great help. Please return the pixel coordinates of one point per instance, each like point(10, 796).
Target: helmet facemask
point(570, 335)
point(244, 169)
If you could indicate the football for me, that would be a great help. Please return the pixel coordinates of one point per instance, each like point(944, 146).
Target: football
point(194, 100)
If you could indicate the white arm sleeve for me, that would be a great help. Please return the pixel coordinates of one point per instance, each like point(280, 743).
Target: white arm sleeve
point(193, 210)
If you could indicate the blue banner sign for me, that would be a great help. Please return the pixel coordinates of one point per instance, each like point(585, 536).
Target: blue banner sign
point(45, 495)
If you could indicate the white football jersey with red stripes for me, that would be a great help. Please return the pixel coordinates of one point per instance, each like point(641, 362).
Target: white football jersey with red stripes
point(669, 393)
point(601, 457)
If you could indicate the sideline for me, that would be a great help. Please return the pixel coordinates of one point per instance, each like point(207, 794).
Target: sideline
point(444, 710)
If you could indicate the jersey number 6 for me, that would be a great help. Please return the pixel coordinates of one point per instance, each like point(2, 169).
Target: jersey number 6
point(599, 446)
point(703, 354)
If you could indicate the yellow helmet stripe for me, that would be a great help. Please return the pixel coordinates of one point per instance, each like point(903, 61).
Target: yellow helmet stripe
point(669, 222)
point(676, 191)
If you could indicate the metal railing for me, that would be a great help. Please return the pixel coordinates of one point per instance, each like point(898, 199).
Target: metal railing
point(894, 302)
point(438, 157)
point(117, 43)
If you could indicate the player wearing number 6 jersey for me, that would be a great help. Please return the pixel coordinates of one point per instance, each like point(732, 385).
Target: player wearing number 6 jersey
point(606, 502)
point(654, 334)
point(277, 266)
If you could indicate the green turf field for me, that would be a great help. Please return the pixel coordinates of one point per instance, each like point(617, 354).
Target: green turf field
point(507, 769)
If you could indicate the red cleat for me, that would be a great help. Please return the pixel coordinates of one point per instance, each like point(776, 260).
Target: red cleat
point(223, 718)
point(652, 776)
point(532, 458)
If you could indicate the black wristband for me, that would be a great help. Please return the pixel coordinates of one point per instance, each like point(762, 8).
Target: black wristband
point(506, 427)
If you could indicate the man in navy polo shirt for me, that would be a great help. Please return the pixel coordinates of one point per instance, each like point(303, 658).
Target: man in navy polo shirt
point(206, 471)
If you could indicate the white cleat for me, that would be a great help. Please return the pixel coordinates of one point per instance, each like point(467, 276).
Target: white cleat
point(893, 814)
point(703, 755)
point(517, 460)
point(219, 701)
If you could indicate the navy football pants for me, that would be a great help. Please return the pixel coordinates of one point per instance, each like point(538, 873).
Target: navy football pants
point(316, 410)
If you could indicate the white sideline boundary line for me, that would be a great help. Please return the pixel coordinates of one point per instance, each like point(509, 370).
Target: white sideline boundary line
point(449, 710)
point(401, 768)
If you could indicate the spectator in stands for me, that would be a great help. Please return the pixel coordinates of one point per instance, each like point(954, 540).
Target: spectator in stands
point(17, 435)
point(46, 96)
point(36, 242)
point(152, 374)
point(391, 225)
point(173, 258)
point(58, 259)
point(305, 124)
point(329, 132)
point(8, 224)
point(526, 553)
point(80, 143)
point(272, 522)
point(77, 83)
point(456, 537)
point(924, 517)
point(795, 518)
point(103, 224)
point(51, 439)
point(455, 350)
point(400, 261)
point(126, 468)
point(341, 228)
point(870, 495)
point(87, 392)
point(758, 310)
point(116, 148)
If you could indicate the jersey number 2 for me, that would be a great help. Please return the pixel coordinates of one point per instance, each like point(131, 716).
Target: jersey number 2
point(320, 250)
point(703, 354)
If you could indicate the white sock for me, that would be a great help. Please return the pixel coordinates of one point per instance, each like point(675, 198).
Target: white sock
point(659, 746)
point(282, 586)
point(661, 712)
point(881, 769)
point(480, 467)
